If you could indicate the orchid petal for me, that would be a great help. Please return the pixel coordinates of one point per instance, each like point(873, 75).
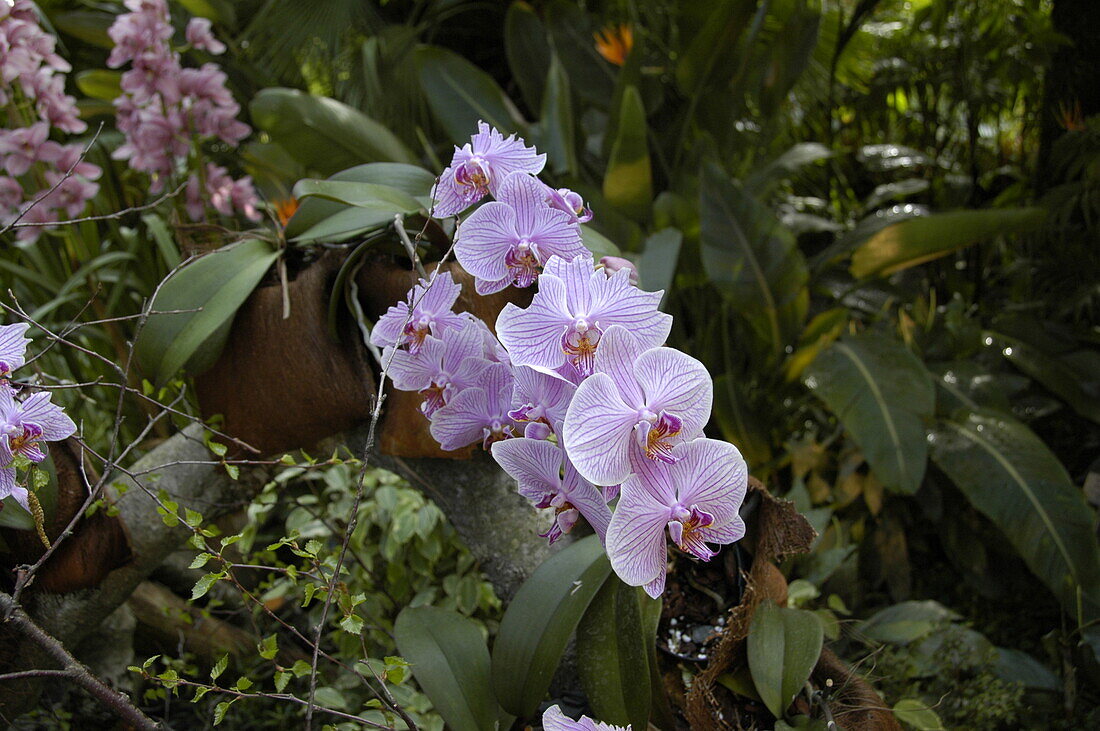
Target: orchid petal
point(533, 336)
point(617, 352)
point(618, 302)
point(598, 431)
point(485, 238)
point(535, 465)
point(461, 421)
point(54, 423)
point(711, 474)
point(636, 536)
point(677, 383)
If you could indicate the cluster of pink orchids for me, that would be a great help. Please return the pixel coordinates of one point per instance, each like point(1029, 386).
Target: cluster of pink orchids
point(25, 421)
point(33, 97)
point(576, 397)
point(166, 111)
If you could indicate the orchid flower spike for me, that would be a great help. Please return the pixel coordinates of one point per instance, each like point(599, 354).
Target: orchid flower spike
point(697, 498)
point(548, 479)
point(13, 347)
point(571, 312)
point(554, 720)
point(426, 311)
point(637, 400)
point(479, 167)
point(507, 241)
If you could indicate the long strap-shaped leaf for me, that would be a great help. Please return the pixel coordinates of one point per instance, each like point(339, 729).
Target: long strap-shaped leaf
point(450, 662)
point(539, 621)
point(881, 393)
point(1008, 474)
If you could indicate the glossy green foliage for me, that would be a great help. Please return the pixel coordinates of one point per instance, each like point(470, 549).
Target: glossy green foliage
point(540, 620)
point(882, 395)
point(783, 647)
point(450, 663)
point(216, 285)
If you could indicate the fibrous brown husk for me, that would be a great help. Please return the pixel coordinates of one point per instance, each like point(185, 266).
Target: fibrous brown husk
point(98, 543)
point(284, 384)
point(382, 284)
point(776, 531)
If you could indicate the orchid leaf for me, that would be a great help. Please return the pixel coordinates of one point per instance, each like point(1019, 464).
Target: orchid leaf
point(783, 647)
point(450, 662)
point(212, 289)
point(540, 620)
point(613, 657)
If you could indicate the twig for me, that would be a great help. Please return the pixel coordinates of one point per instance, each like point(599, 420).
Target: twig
point(106, 216)
point(116, 702)
point(68, 174)
point(360, 479)
point(399, 223)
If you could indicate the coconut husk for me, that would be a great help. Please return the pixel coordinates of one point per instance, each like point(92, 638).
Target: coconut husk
point(775, 532)
point(283, 384)
point(97, 546)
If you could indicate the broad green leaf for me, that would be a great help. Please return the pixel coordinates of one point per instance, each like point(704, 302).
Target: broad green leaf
point(461, 94)
point(882, 394)
point(925, 238)
point(556, 136)
point(752, 258)
point(1019, 667)
point(216, 285)
point(612, 655)
point(528, 51)
point(323, 134)
point(657, 264)
point(451, 664)
point(713, 49)
point(102, 84)
point(540, 620)
point(219, 11)
point(783, 647)
point(360, 195)
point(790, 162)
point(628, 182)
point(1010, 476)
point(324, 220)
point(916, 714)
point(87, 25)
point(169, 251)
point(737, 421)
point(1074, 376)
point(905, 622)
